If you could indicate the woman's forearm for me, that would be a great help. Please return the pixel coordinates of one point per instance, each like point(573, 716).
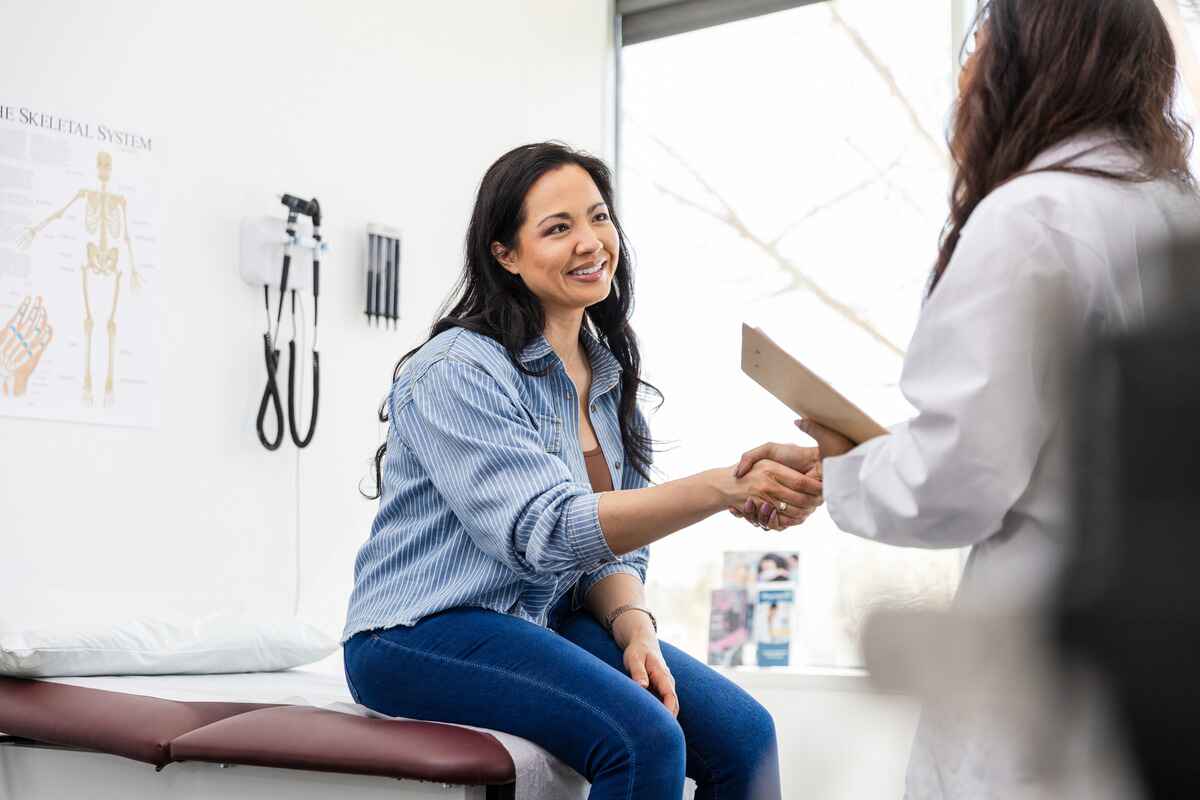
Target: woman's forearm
point(621, 589)
point(636, 517)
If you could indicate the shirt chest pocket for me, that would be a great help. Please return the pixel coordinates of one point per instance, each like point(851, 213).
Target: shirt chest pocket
point(549, 431)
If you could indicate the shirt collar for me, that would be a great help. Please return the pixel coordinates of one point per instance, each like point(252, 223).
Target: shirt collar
point(536, 350)
point(606, 370)
point(1096, 149)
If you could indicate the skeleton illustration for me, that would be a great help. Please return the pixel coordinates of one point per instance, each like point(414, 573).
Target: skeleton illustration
point(23, 340)
point(105, 217)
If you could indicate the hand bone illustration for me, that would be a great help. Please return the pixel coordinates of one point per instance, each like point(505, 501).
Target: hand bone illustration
point(23, 341)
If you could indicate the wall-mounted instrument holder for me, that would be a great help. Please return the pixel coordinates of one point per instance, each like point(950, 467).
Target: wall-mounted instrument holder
point(285, 254)
point(383, 275)
point(260, 251)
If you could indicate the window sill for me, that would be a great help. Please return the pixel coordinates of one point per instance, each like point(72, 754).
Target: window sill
point(802, 679)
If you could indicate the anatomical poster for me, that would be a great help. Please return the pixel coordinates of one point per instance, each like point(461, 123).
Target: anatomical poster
point(81, 273)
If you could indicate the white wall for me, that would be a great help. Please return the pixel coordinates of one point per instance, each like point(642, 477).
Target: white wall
point(387, 111)
point(838, 738)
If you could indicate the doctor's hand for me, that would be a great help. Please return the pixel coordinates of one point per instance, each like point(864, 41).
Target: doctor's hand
point(779, 494)
point(801, 459)
point(830, 443)
point(793, 456)
point(770, 520)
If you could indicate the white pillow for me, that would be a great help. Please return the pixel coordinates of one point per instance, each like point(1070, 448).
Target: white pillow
point(145, 646)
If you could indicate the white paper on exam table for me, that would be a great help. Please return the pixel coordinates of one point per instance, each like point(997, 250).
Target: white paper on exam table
point(540, 776)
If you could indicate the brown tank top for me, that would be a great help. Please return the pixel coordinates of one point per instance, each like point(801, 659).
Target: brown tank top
point(597, 470)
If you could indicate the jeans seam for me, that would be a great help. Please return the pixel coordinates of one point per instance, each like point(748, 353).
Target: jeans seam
point(349, 681)
point(712, 776)
point(546, 686)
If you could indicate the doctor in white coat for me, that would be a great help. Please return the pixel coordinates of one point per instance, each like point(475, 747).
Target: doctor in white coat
point(1070, 166)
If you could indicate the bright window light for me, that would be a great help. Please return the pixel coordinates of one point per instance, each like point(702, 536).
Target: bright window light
point(789, 171)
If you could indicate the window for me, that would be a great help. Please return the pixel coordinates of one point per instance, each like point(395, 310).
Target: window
point(789, 171)
point(1186, 13)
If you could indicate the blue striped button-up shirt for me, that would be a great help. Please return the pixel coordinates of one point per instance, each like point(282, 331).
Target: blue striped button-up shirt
point(485, 500)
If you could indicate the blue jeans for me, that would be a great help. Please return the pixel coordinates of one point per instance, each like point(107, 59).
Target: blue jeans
point(566, 690)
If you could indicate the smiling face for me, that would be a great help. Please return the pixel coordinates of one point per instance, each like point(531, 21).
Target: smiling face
point(567, 247)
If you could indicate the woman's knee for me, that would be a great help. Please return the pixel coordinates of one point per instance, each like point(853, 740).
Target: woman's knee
point(758, 724)
point(660, 750)
point(661, 735)
point(752, 744)
point(652, 743)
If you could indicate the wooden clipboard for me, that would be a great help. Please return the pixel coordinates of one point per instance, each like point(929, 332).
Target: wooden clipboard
point(801, 390)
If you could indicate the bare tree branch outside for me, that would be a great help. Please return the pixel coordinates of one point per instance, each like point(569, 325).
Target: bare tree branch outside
point(794, 173)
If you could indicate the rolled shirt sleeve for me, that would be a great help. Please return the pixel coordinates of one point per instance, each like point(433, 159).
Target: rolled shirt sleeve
point(986, 373)
point(486, 458)
point(634, 564)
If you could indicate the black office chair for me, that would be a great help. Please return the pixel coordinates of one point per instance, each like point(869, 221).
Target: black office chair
point(1130, 598)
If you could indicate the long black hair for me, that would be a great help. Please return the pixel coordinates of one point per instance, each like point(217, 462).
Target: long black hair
point(491, 301)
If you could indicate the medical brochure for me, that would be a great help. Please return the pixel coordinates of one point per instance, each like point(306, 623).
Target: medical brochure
point(729, 627)
point(773, 626)
point(752, 615)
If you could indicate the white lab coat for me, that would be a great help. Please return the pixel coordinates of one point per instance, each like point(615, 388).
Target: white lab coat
point(1045, 260)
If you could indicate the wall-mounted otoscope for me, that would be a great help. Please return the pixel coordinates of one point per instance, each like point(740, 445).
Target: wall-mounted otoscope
point(261, 244)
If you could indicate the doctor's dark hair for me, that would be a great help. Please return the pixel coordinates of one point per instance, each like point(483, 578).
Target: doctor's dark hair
point(1047, 71)
point(491, 301)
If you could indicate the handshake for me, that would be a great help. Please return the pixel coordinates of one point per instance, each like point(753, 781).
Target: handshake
point(777, 486)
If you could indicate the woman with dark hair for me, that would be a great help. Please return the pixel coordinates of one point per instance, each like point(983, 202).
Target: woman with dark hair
point(1071, 168)
point(774, 567)
point(502, 583)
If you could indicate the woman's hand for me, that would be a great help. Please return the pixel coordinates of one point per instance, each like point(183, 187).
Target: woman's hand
point(793, 456)
point(633, 632)
point(769, 519)
point(772, 491)
point(801, 459)
point(647, 667)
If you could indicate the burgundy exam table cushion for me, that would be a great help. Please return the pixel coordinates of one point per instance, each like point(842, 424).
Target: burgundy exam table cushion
point(127, 725)
point(160, 731)
point(302, 737)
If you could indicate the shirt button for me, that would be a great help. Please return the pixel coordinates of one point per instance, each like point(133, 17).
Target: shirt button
point(595, 406)
point(618, 465)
